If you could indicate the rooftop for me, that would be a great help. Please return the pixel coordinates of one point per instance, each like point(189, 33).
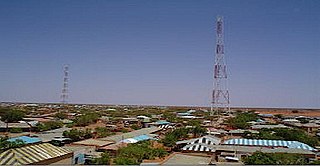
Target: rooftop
point(93, 142)
point(31, 154)
point(14, 125)
point(135, 133)
point(49, 135)
point(268, 126)
point(270, 143)
point(25, 139)
point(199, 147)
point(182, 159)
point(250, 149)
point(208, 139)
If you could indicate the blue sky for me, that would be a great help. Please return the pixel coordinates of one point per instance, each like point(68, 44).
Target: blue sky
point(160, 52)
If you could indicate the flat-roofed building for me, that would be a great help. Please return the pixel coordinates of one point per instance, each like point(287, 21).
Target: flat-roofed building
point(93, 142)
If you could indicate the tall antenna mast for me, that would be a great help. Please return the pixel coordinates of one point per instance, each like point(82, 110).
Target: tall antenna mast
point(64, 94)
point(220, 93)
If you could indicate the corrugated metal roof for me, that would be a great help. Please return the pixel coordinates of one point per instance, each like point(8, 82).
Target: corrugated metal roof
point(252, 149)
point(31, 154)
point(25, 139)
point(209, 140)
point(273, 143)
point(166, 127)
point(201, 144)
point(269, 126)
point(198, 148)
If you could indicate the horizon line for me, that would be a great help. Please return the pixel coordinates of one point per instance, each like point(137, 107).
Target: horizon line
point(157, 105)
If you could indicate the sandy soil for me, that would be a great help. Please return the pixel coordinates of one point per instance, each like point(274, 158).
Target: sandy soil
point(311, 113)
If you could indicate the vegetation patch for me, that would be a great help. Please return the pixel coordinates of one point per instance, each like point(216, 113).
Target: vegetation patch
point(285, 134)
point(259, 158)
point(5, 144)
point(86, 119)
point(44, 126)
point(11, 115)
point(241, 120)
point(77, 135)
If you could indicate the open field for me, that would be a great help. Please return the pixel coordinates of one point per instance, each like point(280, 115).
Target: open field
point(310, 113)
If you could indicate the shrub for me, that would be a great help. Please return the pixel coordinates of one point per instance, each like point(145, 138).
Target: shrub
point(125, 161)
point(240, 121)
point(16, 130)
point(171, 138)
point(11, 115)
point(103, 132)
point(135, 127)
point(86, 119)
point(77, 135)
point(48, 125)
point(133, 154)
point(5, 144)
point(259, 158)
point(285, 134)
point(103, 160)
point(60, 115)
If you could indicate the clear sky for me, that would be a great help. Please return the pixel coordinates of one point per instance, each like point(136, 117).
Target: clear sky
point(160, 52)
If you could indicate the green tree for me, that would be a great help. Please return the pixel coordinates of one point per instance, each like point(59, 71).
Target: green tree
point(5, 144)
point(44, 126)
point(77, 135)
point(103, 132)
point(125, 161)
point(241, 119)
point(159, 152)
point(198, 131)
point(181, 133)
point(285, 134)
point(133, 154)
point(296, 135)
point(86, 119)
point(194, 123)
point(303, 120)
point(12, 115)
point(61, 115)
point(169, 140)
point(15, 130)
point(124, 130)
point(280, 116)
point(135, 127)
point(259, 158)
point(316, 162)
point(103, 160)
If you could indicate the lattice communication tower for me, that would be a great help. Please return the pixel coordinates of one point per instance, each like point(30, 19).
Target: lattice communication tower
point(220, 93)
point(65, 92)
